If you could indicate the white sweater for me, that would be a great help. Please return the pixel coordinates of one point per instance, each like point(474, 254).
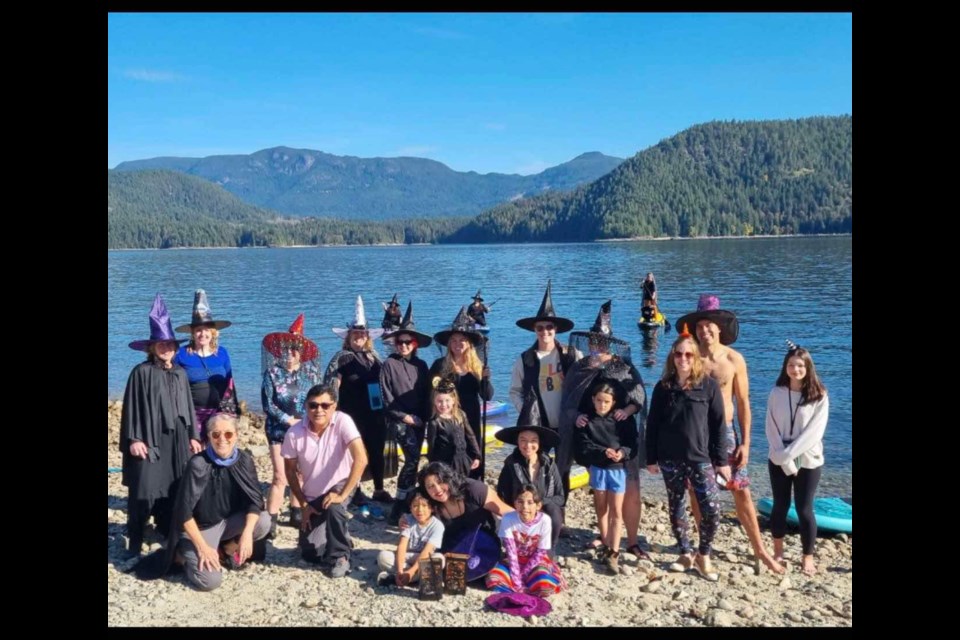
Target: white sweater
point(805, 448)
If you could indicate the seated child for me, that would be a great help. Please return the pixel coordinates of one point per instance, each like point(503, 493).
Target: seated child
point(526, 566)
point(418, 540)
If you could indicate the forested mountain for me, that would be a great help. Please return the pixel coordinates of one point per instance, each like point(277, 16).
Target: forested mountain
point(303, 182)
point(714, 179)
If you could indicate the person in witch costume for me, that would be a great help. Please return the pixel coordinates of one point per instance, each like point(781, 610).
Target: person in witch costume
point(716, 329)
point(218, 514)
point(608, 360)
point(354, 372)
point(206, 362)
point(530, 464)
point(405, 382)
point(478, 311)
point(289, 370)
point(461, 364)
point(449, 437)
point(158, 429)
point(541, 368)
point(392, 315)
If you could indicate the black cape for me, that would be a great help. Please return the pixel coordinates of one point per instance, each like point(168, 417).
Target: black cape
point(158, 411)
point(199, 469)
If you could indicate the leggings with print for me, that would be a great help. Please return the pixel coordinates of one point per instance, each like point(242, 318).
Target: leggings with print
point(676, 474)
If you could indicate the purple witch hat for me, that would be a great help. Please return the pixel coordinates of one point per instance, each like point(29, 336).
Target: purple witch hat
point(519, 604)
point(161, 329)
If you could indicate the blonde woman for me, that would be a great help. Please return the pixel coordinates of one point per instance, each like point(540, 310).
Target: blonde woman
point(684, 443)
point(206, 362)
point(462, 364)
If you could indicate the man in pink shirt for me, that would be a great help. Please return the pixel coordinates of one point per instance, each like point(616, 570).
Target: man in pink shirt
point(325, 447)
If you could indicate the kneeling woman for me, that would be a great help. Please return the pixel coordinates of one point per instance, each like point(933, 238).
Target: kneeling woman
point(460, 503)
point(218, 516)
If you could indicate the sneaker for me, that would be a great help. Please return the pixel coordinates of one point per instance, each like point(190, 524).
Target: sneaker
point(359, 499)
point(385, 579)
point(272, 534)
point(340, 568)
point(364, 511)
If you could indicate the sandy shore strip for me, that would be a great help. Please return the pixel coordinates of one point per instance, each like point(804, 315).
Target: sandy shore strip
point(286, 591)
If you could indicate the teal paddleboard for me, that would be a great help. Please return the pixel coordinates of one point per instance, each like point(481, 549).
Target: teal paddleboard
point(833, 514)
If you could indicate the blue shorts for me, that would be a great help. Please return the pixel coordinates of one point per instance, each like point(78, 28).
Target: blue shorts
point(608, 479)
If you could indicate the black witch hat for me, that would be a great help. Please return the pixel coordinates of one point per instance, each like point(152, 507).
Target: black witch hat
point(546, 314)
point(408, 326)
point(464, 324)
point(529, 420)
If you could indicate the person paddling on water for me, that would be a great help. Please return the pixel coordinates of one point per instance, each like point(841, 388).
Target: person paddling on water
point(716, 329)
point(478, 311)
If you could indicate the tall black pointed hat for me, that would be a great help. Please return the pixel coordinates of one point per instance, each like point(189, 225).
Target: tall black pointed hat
point(464, 324)
point(477, 296)
point(602, 327)
point(202, 316)
point(407, 325)
point(529, 420)
point(546, 314)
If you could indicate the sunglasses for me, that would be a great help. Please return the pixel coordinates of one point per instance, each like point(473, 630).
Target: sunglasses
point(223, 435)
point(544, 327)
point(313, 406)
point(683, 354)
point(402, 342)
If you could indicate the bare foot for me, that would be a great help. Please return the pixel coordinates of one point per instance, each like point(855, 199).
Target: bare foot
point(775, 565)
point(809, 567)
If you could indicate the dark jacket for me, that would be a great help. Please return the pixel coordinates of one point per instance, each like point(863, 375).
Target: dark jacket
point(516, 473)
point(531, 376)
point(686, 425)
point(470, 391)
point(602, 433)
point(406, 387)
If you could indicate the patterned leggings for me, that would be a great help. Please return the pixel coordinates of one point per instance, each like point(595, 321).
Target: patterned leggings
point(676, 473)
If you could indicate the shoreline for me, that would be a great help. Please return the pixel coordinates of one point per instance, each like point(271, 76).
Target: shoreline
point(287, 591)
point(481, 244)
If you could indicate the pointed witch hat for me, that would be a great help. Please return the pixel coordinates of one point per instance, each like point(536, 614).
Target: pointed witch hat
point(464, 324)
point(546, 314)
point(529, 420)
point(477, 296)
point(161, 329)
point(602, 328)
point(408, 326)
point(202, 316)
point(359, 323)
point(281, 341)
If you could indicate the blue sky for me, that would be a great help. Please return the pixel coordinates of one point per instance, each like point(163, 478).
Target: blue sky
point(511, 93)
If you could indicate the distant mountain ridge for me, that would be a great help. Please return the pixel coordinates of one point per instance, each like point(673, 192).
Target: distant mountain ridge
point(304, 182)
point(732, 178)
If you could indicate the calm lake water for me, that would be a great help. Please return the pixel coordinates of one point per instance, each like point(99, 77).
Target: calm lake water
point(780, 288)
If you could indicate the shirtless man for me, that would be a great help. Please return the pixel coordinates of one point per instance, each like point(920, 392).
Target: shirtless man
point(715, 330)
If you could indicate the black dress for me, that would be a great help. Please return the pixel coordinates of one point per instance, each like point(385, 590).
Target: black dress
point(448, 441)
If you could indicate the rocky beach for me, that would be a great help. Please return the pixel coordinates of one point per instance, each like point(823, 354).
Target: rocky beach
point(287, 591)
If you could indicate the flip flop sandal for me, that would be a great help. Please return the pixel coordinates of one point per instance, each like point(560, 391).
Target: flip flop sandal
point(637, 551)
point(683, 563)
point(712, 576)
point(594, 544)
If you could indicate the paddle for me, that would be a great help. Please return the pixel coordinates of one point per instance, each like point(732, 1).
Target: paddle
point(483, 422)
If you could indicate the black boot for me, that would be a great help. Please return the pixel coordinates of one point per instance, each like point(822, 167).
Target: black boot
point(296, 517)
point(273, 526)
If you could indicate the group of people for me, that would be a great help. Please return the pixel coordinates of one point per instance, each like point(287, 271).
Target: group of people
point(585, 401)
